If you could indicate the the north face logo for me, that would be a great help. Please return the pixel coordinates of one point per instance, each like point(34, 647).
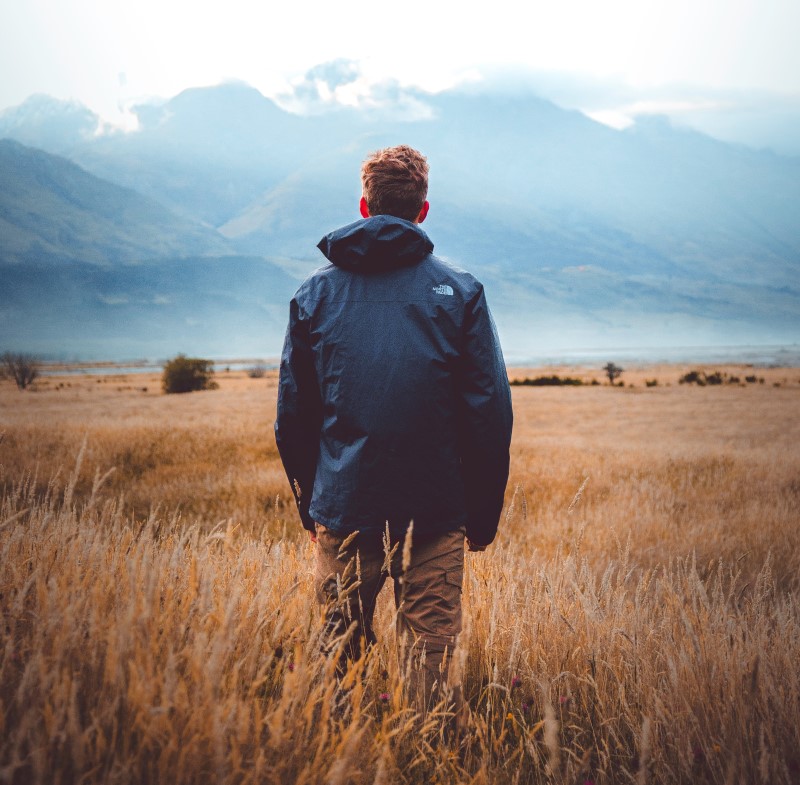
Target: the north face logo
point(443, 288)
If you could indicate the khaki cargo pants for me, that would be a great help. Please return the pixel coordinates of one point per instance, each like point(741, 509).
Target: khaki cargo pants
point(427, 595)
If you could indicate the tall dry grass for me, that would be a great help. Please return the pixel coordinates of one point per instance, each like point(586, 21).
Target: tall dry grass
point(640, 625)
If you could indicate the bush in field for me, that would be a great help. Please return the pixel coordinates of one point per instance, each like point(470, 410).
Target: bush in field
point(22, 368)
point(187, 374)
point(701, 378)
point(693, 377)
point(257, 371)
point(547, 381)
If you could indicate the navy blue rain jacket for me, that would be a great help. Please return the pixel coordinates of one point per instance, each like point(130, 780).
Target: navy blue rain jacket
point(393, 400)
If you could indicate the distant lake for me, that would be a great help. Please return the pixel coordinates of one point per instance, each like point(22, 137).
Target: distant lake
point(777, 356)
point(759, 356)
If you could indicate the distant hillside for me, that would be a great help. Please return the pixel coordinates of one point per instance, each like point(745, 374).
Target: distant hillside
point(585, 235)
point(52, 210)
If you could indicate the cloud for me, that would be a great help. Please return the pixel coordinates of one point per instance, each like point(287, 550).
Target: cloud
point(625, 115)
point(756, 119)
point(342, 83)
point(611, 117)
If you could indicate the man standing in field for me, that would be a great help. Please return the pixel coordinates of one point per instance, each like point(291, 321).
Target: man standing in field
point(394, 421)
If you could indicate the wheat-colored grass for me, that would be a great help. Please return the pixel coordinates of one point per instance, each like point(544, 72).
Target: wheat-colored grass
point(636, 620)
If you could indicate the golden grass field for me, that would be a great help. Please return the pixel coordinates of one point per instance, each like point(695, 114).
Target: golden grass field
point(159, 626)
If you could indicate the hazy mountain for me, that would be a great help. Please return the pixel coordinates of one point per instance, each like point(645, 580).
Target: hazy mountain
point(52, 210)
point(210, 152)
point(584, 235)
point(45, 122)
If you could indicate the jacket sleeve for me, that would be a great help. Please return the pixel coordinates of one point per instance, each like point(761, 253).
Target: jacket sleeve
point(299, 420)
point(485, 420)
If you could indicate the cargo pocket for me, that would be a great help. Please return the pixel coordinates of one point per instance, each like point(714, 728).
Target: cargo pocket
point(455, 578)
point(451, 623)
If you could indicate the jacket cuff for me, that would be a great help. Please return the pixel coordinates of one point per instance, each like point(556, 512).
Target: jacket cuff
point(305, 517)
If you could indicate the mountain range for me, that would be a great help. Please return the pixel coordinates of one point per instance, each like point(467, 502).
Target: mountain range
point(190, 233)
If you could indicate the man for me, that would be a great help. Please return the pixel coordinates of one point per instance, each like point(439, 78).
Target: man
point(394, 421)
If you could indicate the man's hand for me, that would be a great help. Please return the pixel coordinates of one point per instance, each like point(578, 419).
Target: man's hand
point(474, 546)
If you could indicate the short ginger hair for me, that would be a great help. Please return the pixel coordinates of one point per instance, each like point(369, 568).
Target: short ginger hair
point(394, 181)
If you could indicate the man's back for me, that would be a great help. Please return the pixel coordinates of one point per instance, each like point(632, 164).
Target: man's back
point(394, 402)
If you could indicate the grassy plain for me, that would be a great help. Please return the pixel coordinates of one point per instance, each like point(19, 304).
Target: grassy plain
point(637, 619)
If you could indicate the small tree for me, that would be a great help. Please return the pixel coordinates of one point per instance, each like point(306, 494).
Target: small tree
point(186, 374)
point(22, 368)
point(613, 372)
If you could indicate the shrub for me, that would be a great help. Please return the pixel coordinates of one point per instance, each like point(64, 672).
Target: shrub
point(693, 377)
point(651, 382)
point(546, 381)
point(701, 378)
point(22, 368)
point(257, 371)
point(187, 374)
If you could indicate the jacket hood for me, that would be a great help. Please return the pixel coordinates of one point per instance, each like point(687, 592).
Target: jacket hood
point(377, 243)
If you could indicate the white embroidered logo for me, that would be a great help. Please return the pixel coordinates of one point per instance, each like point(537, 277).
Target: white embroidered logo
point(443, 288)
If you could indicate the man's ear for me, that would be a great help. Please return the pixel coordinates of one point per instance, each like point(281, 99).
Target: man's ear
point(423, 213)
point(362, 205)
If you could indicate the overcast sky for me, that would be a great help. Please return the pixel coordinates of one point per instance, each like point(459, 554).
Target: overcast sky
point(614, 58)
